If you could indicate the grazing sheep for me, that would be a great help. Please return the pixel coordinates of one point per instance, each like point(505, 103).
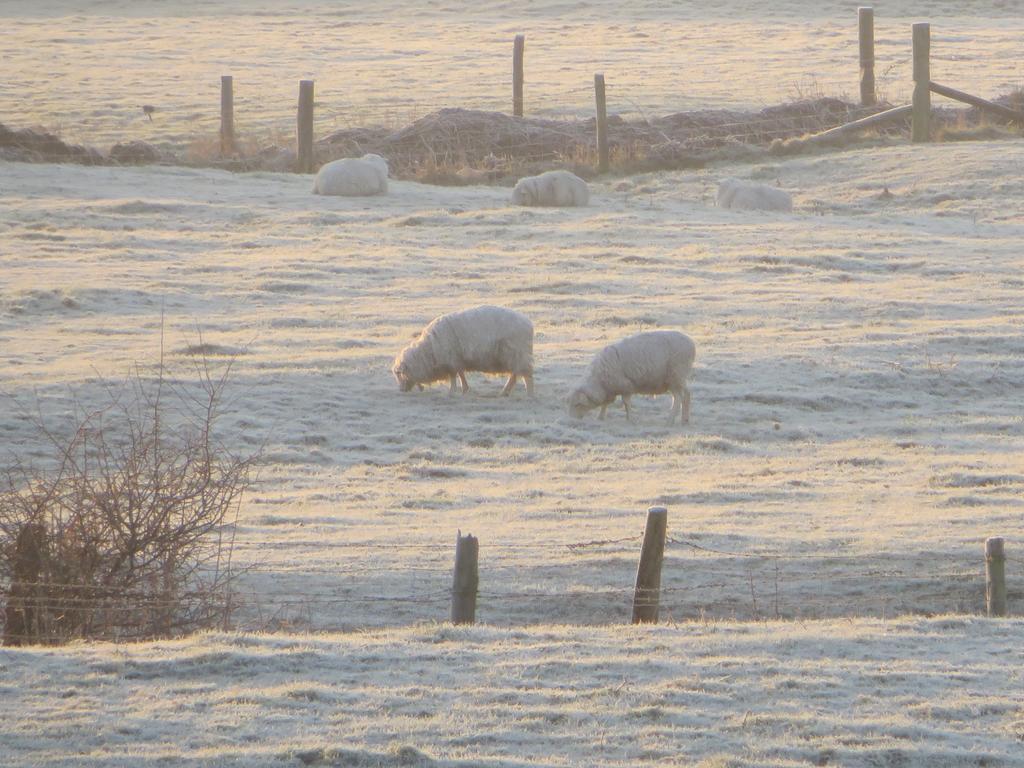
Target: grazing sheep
point(553, 188)
point(353, 176)
point(486, 339)
point(649, 363)
point(747, 196)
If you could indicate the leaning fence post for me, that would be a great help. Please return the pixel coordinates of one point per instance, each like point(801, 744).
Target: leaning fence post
point(466, 579)
point(866, 30)
point(305, 127)
point(602, 124)
point(922, 77)
point(648, 572)
point(517, 75)
point(22, 623)
point(227, 115)
point(995, 577)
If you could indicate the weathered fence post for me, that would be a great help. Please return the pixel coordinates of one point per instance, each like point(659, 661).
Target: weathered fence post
point(466, 579)
point(648, 572)
point(22, 624)
point(995, 577)
point(305, 127)
point(922, 77)
point(227, 115)
point(866, 30)
point(602, 124)
point(517, 75)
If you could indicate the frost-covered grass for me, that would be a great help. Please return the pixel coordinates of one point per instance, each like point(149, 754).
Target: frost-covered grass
point(91, 66)
point(856, 410)
point(927, 692)
point(856, 400)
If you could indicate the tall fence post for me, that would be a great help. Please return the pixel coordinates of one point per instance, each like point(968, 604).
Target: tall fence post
point(995, 577)
point(602, 124)
point(227, 115)
point(866, 33)
point(648, 572)
point(517, 75)
point(22, 623)
point(466, 579)
point(305, 127)
point(922, 77)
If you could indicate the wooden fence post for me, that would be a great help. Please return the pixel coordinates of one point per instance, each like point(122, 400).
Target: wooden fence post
point(22, 625)
point(648, 572)
point(995, 577)
point(227, 115)
point(922, 78)
point(517, 75)
point(866, 31)
point(466, 579)
point(305, 127)
point(602, 124)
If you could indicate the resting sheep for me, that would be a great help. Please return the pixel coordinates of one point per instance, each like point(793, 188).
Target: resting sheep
point(747, 196)
point(553, 188)
point(649, 363)
point(486, 339)
point(353, 176)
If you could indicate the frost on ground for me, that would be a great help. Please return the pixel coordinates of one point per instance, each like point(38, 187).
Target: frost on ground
point(105, 59)
point(909, 692)
point(856, 397)
point(856, 411)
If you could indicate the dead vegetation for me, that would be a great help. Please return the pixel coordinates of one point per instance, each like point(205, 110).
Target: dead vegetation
point(463, 146)
point(125, 531)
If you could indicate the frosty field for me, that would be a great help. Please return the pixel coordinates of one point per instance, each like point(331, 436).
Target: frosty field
point(856, 400)
point(856, 411)
point(85, 69)
point(857, 419)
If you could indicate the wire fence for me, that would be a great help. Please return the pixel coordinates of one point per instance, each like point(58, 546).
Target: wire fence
point(575, 582)
point(664, 110)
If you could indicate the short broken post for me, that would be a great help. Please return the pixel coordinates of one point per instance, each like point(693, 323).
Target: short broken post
point(517, 75)
point(227, 115)
point(922, 100)
point(602, 124)
point(305, 127)
point(466, 579)
point(995, 577)
point(648, 572)
point(22, 625)
point(866, 32)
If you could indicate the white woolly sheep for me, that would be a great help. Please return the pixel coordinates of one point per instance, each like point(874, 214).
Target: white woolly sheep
point(552, 188)
point(353, 177)
point(748, 196)
point(649, 363)
point(486, 339)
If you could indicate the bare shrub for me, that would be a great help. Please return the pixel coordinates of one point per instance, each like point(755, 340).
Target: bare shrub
point(127, 531)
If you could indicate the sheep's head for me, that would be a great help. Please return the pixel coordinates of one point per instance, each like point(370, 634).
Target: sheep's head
point(402, 375)
point(582, 401)
point(378, 161)
point(523, 193)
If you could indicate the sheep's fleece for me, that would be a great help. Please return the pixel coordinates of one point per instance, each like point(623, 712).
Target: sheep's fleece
point(552, 188)
point(748, 196)
point(486, 339)
point(353, 177)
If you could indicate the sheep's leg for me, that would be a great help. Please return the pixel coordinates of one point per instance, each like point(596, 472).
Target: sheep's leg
point(625, 404)
point(509, 385)
point(528, 379)
point(677, 404)
point(685, 411)
point(465, 384)
point(603, 409)
point(451, 384)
